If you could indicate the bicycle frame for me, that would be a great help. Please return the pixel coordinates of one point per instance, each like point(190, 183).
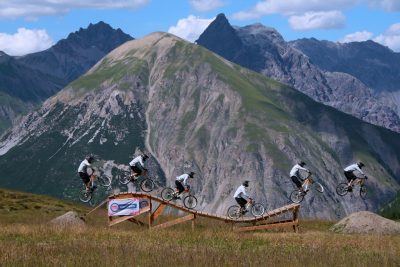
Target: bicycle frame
point(308, 181)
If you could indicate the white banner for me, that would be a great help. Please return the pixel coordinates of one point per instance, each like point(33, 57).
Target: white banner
point(127, 206)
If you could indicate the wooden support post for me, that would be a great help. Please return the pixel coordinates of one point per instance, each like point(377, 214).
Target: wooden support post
point(119, 219)
point(296, 220)
point(194, 218)
point(157, 212)
point(176, 221)
point(149, 214)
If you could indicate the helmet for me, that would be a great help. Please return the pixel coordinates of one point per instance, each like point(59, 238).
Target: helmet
point(191, 174)
point(302, 163)
point(246, 183)
point(144, 156)
point(360, 164)
point(90, 158)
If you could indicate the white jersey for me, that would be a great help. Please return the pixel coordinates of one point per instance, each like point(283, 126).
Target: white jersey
point(352, 168)
point(137, 160)
point(183, 178)
point(240, 192)
point(295, 170)
point(83, 166)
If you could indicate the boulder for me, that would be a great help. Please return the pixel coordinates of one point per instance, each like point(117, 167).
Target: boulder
point(71, 218)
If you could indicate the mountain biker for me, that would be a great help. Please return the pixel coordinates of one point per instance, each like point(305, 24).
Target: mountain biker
point(137, 165)
point(83, 172)
point(295, 175)
point(181, 183)
point(349, 173)
point(241, 195)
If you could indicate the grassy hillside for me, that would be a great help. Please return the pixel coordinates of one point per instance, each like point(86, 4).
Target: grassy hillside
point(392, 210)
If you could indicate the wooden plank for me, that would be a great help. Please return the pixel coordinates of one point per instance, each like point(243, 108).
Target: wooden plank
point(265, 226)
point(158, 212)
point(176, 221)
point(114, 221)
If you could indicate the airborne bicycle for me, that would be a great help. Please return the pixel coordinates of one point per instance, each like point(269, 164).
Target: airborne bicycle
point(256, 209)
point(298, 195)
point(146, 184)
point(343, 188)
point(189, 201)
point(86, 194)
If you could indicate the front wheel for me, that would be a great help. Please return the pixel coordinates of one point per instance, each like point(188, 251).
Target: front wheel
point(190, 202)
point(317, 186)
point(363, 191)
point(342, 189)
point(167, 194)
point(85, 196)
point(297, 196)
point(147, 185)
point(234, 212)
point(257, 210)
point(104, 180)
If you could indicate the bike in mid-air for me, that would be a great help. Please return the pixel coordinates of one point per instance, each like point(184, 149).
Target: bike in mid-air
point(189, 200)
point(298, 195)
point(343, 188)
point(86, 194)
point(147, 184)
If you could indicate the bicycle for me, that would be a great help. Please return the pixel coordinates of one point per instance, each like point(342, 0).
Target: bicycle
point(189, 201)
point(86, 195)
point(298, 195)
point(343, 188)
point(147, 184)
point(256, 209)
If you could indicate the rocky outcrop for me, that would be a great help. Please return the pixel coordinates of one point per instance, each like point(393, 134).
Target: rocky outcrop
point(193, 110)
point(264, 50)
point(69, 219)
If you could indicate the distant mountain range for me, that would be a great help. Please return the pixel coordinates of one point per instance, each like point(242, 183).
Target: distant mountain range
point(28, 80)
point(193, 110)
point(361, 79)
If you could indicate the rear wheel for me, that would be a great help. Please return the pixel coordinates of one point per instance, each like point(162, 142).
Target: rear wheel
point(297, 196)
point(124, 178)
point(234, 212)
point(104, 180)
point(147, 185)
point(363, 191)
point(257, 210)
point(190, 202)
point(342, 189)
point(167, 194)
point(317, 186)
point(85, 196)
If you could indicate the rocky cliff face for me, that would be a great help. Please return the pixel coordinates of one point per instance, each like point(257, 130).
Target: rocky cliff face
point(264, 50)
point(34, 77)
point(195, 111)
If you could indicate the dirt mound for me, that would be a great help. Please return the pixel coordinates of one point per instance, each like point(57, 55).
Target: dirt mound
point(365, 222)
point(71, 218)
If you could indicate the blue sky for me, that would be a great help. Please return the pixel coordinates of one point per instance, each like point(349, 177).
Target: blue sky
point(34, 25)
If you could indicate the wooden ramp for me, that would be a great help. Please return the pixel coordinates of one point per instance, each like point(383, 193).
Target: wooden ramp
point(156, 205)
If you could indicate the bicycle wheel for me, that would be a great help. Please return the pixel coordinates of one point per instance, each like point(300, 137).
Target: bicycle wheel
point(296, 196)
point(147, 185)
point(234, 212)
point(124, 178)
point(317, 186)
point(104, 180)
point(85, 196)
point(342, 189)
point(363, 191)
point(167, 194)
point(257, 210)
point(190, 202)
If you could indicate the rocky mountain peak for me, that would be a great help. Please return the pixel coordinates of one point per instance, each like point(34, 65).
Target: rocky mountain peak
point(220, 31)
point(259, 31)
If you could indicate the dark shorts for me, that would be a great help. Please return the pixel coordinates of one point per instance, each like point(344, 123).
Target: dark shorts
point(85, 177)
point(136, 169)
point(296, 181)
point(180, 187)
point(350, 176)
point(241, 201)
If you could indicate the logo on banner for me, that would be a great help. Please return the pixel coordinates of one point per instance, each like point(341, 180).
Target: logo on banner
point(119, 207)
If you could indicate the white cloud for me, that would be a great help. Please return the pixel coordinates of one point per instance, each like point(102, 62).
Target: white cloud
point(190, 28)
point(206, 5)
point(293, 7)
point(25, 41)
point(317, 20)
point(36, 8)
point(357, 37)
point(387, 5)
point(390, 38)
